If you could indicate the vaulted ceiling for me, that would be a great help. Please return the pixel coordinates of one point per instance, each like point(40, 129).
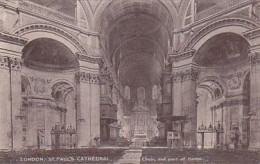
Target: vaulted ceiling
point(63, 6)
point(136, 35)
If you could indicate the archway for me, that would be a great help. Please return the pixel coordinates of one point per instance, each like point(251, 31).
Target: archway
point(225, 56)
point(208, 92)
point(136, 38)
point(48, 105)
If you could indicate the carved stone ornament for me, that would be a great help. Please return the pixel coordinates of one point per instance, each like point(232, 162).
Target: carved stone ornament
point(87, 77)
point(186, 74)
point(234, 81)
point(15, 64)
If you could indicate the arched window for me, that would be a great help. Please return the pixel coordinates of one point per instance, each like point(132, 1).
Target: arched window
point(25, 86)
point(154, 92)
point(127, 92)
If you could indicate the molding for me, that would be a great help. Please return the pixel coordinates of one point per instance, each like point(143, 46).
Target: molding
point(251, 34)
point(230, 103)
point(216, 24)
point(88, 59)
point(54, 29)
point(182, 56)
point(35, 104)
point(12, 39)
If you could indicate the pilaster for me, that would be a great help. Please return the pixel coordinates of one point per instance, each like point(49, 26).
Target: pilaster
point(184, 101)
point(254, 113)
point(10, 98)
point(88, 108)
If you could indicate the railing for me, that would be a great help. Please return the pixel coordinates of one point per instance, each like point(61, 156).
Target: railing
point(46, 12)
point(217, 8)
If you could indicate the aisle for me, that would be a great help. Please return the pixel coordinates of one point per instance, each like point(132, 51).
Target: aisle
point(131, 156)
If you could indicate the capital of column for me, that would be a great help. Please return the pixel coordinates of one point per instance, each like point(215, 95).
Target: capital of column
point(9, 62)
point(185, 74)
point(87, 77)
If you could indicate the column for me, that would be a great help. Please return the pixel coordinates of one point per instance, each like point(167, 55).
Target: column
point(254, 113)
point(83, 110)
point(184, 102)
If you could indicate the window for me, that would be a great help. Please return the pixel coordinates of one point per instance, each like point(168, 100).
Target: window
point(154, 92)
point(127, 92)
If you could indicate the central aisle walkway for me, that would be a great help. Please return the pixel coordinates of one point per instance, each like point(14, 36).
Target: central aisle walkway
point(132, 156)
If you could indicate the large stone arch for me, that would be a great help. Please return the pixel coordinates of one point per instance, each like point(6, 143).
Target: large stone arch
point(102, 6)
point(215, 79)
point(35, 31)
point(233, 25)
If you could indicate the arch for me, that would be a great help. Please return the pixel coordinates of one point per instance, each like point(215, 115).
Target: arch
point(35, 31)
point(171, 8)
point(59, 90)
point(49, 55)
point(216, 80)
point(233, 25)
point(26, 86)
point(87, 12)
point(49, 89)
point(182, 9)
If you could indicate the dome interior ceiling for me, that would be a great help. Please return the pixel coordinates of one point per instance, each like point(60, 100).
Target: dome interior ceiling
point(136, 36)
point(48, 53)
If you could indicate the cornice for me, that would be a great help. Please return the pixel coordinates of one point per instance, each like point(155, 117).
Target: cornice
point(251, 34)
point(85, 58)
point(182, 55)
point(231, 103)
point(12, 39)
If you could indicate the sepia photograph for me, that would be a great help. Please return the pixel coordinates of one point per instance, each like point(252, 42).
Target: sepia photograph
point(130, 81)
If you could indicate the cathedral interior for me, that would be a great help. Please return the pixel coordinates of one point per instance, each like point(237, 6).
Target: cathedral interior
point(78, 72)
